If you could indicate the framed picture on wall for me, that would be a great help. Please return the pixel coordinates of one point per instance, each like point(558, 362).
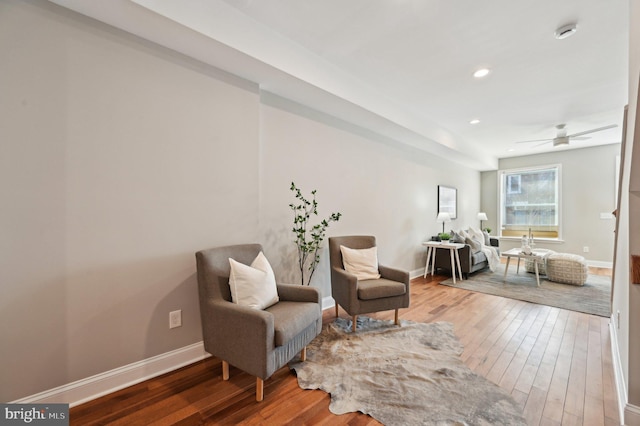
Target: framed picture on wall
point(448, 200)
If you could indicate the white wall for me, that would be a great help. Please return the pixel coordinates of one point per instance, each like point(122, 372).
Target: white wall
point(381, 189)
point(120, 159)
point(634, 214)
point(588, 187)
point(626, 296)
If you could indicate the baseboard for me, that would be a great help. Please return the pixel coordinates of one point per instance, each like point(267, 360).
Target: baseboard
point(632, 415)
point(93, 387)
point(599, 264)
point(101, 384)
point(328, 302)
point(416, 273)
point(621, 387)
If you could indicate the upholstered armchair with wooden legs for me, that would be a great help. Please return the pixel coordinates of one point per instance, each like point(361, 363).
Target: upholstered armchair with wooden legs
point(256, 341)
point(390, 291)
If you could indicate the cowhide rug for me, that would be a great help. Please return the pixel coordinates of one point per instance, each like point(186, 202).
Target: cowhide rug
point(407, 375)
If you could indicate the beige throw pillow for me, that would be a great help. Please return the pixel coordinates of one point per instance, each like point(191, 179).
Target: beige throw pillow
point(253, 286)
point(487, 238)
point(476, 234)
point(475, 245)
point(363, 263)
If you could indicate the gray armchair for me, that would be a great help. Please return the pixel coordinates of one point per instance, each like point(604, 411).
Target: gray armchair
point(356, 297)
point(258, 342)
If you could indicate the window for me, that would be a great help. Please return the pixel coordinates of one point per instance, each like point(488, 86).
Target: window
point(530, 201)
point(513, 184)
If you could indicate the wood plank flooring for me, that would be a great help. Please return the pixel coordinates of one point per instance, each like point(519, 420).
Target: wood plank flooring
point(555, 363)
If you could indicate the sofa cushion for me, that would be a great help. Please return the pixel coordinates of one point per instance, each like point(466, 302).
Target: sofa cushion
point(291, 318)
point(478, 258)
point(376, 289)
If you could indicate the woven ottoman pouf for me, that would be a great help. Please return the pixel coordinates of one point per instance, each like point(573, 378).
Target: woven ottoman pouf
point(542, 267)
point(566, 268)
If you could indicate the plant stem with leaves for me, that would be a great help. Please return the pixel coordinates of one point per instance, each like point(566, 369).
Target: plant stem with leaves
point(308, 241)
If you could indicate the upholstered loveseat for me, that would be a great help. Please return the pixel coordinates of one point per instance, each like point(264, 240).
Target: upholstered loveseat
point(469, 262)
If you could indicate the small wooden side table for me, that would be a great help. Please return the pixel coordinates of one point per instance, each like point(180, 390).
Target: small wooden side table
point(453, 251)
point(518, 254)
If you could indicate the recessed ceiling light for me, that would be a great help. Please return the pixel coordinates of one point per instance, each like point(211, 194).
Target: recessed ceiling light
point(474, 121)
point(565, 31)
point(511, 149)
point(482, 72)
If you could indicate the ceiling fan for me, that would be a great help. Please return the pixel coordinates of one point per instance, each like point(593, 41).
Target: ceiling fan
point(563, 139)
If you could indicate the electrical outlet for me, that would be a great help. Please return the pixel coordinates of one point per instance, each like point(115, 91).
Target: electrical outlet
point(585, 249)
point(175, 318)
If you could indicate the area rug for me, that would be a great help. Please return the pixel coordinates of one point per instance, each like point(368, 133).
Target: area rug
point(591, 298)
point(402, 375)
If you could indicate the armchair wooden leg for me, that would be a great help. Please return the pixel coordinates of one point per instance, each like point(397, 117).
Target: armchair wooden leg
point(303, 354)
point(259, 389)
point(397, 319)
point(225, 370)
point(355, 323)
point(336, 309)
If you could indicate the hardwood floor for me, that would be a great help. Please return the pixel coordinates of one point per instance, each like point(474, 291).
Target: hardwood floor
point(556, 364)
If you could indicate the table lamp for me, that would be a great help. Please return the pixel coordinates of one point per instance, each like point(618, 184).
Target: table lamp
point(482, 216)
point(443, 217)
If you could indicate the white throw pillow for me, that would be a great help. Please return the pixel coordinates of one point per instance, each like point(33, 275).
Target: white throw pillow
point(362, 263)
point(487, 238)
point(476, 234)
point(476, 246)
point(255, 285)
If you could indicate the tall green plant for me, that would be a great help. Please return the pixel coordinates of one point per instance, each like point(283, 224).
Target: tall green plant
point(308, 238)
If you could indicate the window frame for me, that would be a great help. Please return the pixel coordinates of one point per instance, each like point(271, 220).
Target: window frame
point(501, 192)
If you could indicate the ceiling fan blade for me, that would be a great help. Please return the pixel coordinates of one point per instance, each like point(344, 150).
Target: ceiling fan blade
point(543, 143)
point(536, 140)
point(610, 126)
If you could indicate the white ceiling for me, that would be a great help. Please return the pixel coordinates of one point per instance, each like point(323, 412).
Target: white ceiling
point(403, 68)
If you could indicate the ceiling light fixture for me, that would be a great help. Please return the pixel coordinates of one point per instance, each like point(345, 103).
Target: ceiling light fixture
point(482, 72)
point(474, 121)
point(565, 31)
